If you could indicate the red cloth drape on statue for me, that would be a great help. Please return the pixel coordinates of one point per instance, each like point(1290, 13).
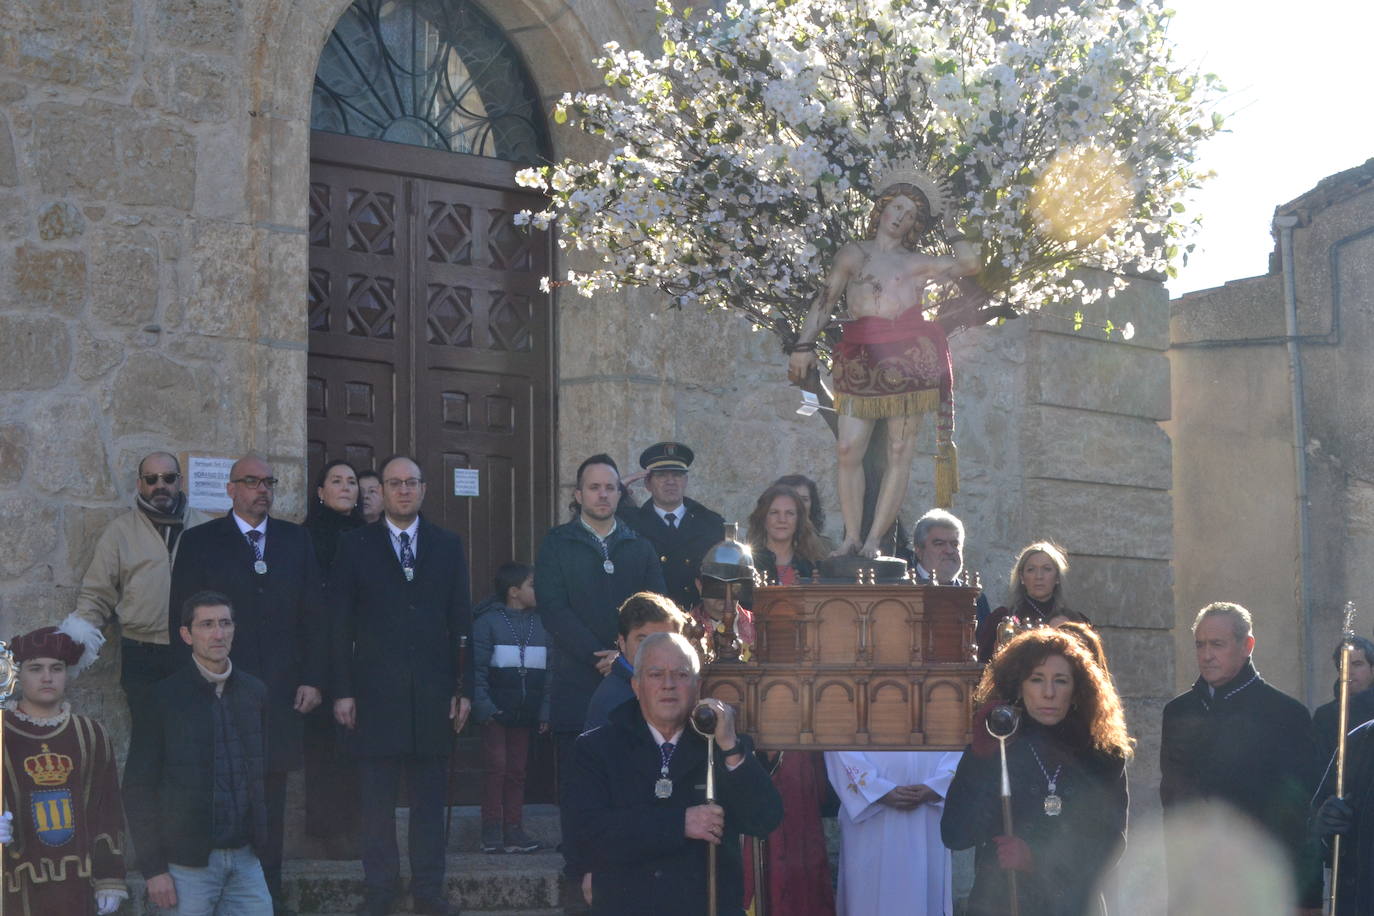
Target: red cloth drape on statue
point(798, 867)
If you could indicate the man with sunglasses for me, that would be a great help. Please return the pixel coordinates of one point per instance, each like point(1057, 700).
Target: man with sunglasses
point(267, 568)
point(130, 576)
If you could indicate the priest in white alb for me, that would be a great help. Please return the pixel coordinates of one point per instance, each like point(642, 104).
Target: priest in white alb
point(891, 856)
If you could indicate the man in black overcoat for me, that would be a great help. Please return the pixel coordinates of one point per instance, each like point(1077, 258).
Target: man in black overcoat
point(1352, 816)
point(268, 570)
point(637, 810)
point(682, 530)
point(402, 674)
point(584, 571)
point(1233, 738)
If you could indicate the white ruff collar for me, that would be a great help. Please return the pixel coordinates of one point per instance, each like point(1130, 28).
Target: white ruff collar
point(65, 713)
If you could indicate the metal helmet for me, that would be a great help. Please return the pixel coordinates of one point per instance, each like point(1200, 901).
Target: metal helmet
point(729, 561)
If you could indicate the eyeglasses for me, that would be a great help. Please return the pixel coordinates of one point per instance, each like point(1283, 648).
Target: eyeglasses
point(150, 480)
point(410, 483)
point(254, 483)
point(662, 675)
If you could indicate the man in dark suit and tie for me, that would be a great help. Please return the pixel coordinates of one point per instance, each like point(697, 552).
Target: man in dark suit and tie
point(267, 568)
point(682, 530)
point(402, 675)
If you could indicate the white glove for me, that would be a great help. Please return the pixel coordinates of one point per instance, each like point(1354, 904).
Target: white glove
point(107, 901)
point(7, 827)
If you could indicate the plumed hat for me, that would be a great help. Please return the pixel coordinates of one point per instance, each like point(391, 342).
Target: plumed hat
point(75, 642)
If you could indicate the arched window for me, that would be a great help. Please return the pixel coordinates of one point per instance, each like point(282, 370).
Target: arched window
point(433, 73)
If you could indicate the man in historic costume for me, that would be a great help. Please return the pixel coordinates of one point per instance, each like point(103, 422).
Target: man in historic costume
point(66, 854)
point(680, 528)
point(729, 631)
point(1233, 738)
point(891, 856)
point(636, 807)
point(891, 364)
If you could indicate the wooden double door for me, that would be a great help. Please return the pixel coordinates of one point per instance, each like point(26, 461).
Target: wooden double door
point(430, 336)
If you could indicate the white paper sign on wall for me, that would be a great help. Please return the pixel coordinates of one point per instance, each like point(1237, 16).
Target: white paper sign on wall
point(466, 482)
point(205, 480)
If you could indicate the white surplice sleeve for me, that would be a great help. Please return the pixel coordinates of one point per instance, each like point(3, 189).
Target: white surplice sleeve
point(858, 782)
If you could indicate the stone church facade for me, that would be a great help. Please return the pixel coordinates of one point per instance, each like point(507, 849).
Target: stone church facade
point(157, 161)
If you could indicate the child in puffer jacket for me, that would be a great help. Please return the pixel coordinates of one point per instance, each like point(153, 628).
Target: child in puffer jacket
point(511, 699)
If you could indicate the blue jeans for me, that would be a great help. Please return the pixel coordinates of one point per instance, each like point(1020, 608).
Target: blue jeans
point(231, 884)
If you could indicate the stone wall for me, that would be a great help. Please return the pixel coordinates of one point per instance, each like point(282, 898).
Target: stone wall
point(1236, 494)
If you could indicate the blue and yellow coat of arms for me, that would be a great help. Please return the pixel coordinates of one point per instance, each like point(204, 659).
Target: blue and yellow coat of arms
point(50, 802)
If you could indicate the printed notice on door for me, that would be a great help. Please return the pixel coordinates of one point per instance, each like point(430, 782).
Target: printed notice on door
point(465, 482)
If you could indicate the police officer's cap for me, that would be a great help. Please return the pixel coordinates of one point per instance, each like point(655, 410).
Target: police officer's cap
point(666, 456)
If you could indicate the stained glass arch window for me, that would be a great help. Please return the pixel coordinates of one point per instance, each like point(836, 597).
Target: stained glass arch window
point(435, 73)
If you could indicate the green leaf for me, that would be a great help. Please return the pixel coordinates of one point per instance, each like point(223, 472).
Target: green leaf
point(560, 115)
point(669, 47)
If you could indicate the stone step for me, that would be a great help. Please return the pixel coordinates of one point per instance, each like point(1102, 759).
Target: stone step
point(540, 822)
point(506, 884)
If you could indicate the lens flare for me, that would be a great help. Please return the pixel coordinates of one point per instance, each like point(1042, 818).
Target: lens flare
point(1082, 194)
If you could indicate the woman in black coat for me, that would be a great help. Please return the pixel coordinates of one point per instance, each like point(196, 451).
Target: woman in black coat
point(335, 509)
point(331, 776)
point(1067, 768)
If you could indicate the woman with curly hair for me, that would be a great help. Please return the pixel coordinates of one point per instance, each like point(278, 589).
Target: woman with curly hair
point(784, 543)
point(1067, 767)
point(1036, 593)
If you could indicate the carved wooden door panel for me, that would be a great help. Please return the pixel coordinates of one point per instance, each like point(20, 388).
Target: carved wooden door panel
point(356, 308)
point(480, 391)
point(429, 335)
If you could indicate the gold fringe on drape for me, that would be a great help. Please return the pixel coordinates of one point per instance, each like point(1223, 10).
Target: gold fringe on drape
point(882, 406)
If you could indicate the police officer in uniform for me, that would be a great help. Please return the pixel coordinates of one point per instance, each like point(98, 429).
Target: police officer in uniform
point(682, 530)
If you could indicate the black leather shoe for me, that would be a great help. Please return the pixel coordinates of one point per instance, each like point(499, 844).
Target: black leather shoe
point(435, 907)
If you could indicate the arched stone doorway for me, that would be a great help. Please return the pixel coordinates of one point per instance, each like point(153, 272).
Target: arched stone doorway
point(428, 332)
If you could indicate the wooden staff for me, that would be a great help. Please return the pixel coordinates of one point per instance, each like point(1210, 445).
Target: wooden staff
point(1001, 724)
point(1348, 648)
point(8, 679)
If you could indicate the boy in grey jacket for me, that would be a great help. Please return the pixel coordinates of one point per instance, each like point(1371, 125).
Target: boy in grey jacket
point(511, 699)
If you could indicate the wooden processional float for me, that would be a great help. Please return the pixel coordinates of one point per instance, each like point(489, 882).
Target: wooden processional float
point(863, 659)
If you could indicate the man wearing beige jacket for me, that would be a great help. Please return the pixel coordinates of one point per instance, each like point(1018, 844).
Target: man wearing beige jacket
point(130, 576)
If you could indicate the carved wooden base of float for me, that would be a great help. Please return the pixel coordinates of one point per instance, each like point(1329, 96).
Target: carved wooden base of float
point(843, 667)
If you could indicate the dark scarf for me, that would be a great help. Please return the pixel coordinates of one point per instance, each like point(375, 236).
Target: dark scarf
point(168, 525)
point(325, 525)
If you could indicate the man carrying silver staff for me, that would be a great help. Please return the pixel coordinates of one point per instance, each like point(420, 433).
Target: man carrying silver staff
point(1352, 819)
point(635, 805)
point(1361, 697)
